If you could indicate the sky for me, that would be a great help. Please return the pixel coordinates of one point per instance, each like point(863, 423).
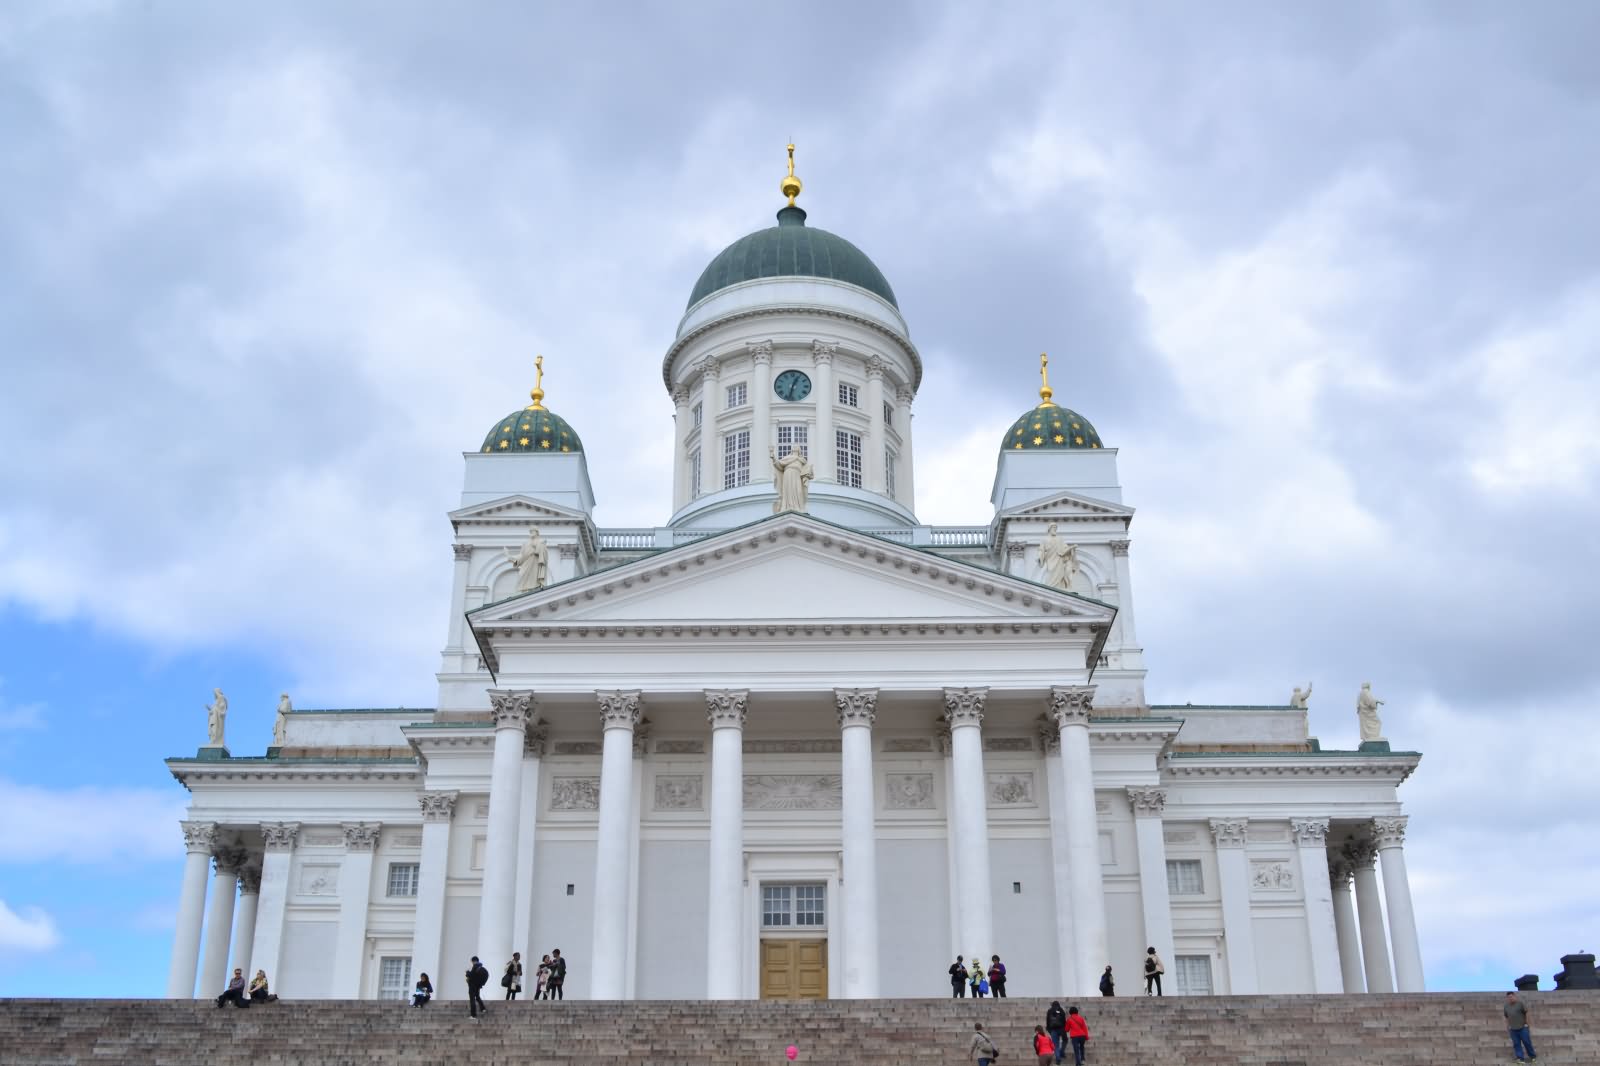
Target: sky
point(1326, 276)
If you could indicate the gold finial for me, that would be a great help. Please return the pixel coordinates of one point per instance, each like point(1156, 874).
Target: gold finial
point(791, 185)
point(538, 385)
point(1045, 391)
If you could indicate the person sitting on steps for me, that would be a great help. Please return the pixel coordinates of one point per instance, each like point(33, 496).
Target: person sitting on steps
point(422, 992)
point(234, 993)
point(258, 989)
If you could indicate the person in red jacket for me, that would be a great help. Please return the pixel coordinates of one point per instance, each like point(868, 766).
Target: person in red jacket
point(1078, 1033)
point(1043, 1046)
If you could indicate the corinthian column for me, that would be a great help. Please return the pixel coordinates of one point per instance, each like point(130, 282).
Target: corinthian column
point(1148, 806)
point(857, 709)
point(278, 841)
point(198, 840)
point(1060, 856)
point(710, 453)
point(761, 435)
point(822, 452)
point(1390, 834)
point(355, 896)
point(244, 919)
point(619, 713)
point(433, 869)
point(725, 883)
point(1344, 924)
point(1362, 854)
point(219, 920)
point(512, 712)
point(1233, 880)
point(1311, 837)
point(969, 818)
point(1069, 706)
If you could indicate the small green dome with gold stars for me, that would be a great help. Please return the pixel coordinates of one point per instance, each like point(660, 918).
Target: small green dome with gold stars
point(1049, 425)
point(534, 428)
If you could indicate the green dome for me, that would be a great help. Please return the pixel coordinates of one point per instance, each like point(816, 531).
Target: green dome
point(1050, 426)
point(791, 249)
point(532, 430)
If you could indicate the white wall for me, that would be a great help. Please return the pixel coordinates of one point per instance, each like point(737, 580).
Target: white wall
point(913, 917)
point(672, 919)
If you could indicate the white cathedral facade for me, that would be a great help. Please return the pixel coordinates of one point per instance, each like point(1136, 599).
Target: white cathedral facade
point(805, 752)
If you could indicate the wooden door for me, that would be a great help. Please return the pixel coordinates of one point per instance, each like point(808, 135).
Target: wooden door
point(794, 969)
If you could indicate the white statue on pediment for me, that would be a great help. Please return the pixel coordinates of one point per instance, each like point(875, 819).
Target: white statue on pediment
point(216, 718)
point(1300, 697)
point(791, 473)
point(1367, 711)
point(1058, 559)
point(532, 562)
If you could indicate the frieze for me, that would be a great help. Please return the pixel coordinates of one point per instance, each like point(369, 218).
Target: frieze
point(319, 879)
point(1272, 877)
point(908, 792)
point(1008, 744)
point(793, 747)
point(408, 840)
point(680, 747)
point(680, 792)
point(575, 794)
point(1268, 836)
point(907, 744)
point(321, 839)
point(1010, 789)
point(793, 792)
point(578, 747)
point(1180, 836)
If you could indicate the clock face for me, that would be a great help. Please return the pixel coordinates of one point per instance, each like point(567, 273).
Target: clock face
point(792, 385)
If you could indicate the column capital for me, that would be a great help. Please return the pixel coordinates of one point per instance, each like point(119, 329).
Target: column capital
point(228, 861)
point(822, 354)
point(199, 837)
point(361, 836)
point(535, 739)
point(761, 351)
point(903, 396)
point(1230, 832)
point(568, 552)
point(726, 708)
point(619, 708)
point(1049, 734)
point(1389, 832)
point(437, 806)
point(1119, 547)
point(964, 706)
point(680, 395)
point(249, 880)
point(1309, 832)
point(462, 552)
point(1340, 872)
point(857, 706)
point(1070, 704)
point(941, 735)
point(1360, 852)
point(709, 369)
point(641, 737)
point(1148, 802)
point(279, 836)
point(875, 367)
point(513, 708)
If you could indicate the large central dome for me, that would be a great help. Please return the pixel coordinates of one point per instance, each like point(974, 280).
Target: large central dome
point(791, 249)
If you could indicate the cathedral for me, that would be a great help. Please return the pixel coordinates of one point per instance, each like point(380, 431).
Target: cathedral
point(794, 742)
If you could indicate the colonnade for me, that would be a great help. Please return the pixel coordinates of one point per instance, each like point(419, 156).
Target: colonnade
point(1366, 944)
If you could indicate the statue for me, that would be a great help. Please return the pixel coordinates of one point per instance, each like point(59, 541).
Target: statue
point(280, 728)
point(532, 562)
point(1367, 711)
point(1059, 560)
point(1301, 695)
point(216, 718)
point(791, 472)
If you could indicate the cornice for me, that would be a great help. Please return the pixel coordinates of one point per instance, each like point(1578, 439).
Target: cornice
point(309, 770)
point(903, 343)
point(1280, 764)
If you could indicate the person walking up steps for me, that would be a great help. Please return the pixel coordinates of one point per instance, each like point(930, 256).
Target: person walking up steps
point(1044, 1049)
point(982, 1049)
point(1055, 1023)
point(1153, 969)
point(1078, 1033)
point(958, 978)
point(477, 977)
point(1516, 1013)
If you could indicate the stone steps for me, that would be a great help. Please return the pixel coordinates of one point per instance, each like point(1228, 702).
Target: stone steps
point(1440, 1029)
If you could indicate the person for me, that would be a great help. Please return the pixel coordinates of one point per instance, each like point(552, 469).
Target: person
point(234, 993)
point(997, 977)
point(976, 979)
point(1043, 1046)
point(259, 992)
point(422, 992)
point(1153, 969)
point(1516, 1013)
point(1055, 1023)
point(958, 978)
point(541, 976)
point(982, 1048)
point(477, 977)
point(1078, 1033)
point(512, 981)
point(558, 975)
point(1108, 985)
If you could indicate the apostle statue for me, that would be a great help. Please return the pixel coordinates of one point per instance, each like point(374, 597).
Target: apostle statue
point(1367, 711)
point(1301, 695)
point(1059, 560)
point(216, 718)
point(791, 473)
point(280, 728)
point(532, 562)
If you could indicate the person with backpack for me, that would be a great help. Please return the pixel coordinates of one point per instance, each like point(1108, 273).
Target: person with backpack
point(982, 1049)
point(511, 980)
point(958, 978)
point(477, 977)
point(1078, 1033)
point(1108, 985)
point(1055, 1023)
point(997, 977)
point(1153, 969)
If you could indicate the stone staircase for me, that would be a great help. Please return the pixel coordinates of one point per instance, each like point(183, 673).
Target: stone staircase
point(1437, 1029)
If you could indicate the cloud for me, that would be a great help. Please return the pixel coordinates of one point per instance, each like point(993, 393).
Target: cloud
point(29, 929)
point(91, 826)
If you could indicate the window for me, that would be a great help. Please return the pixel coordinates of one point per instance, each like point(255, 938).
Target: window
point(1183, 878)
point(736, 459)
point(699, 415)
point(394, 977)
point(889, 459)
point(808, 900)
point(787, 906)
point(849, 395)
point(694, 475)
point(888, 413)
point(1192, 974)
point(849, 457)
point(791, 437)
point(738, 395)
point(403, 878)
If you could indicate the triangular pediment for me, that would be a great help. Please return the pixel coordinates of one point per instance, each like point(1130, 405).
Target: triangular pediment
point(519, 508)
point(1068, 505)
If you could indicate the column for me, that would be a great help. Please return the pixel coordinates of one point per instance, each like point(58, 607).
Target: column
point(1390, 835)
point(641, 746)
point(710, 454)
point(198, 839)
point(458, 598)
point(726, 711)
point(969, 819)
point(908, 490)
point(1233, 879)
point(219, 920)
point(1344, 923)
point(533, 745)
point(1060, 855)
point(1362, 854)
point(355, 893)
point(433, 874)
point(1069, 706)
point(822, 452)
point(1148, 806)
point(512, 712)
point(1119, 556)
point(278, 841)
point(859, 825)
point(1311, 837)
point(681, 447)
point(761, 435)
point(244, 919)
point(877, 439)
point(619, 713)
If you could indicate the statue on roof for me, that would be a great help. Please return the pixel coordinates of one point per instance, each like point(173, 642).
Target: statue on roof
point(1301, 695)
point(1367, 711)
point(280, 727)
point(532, 562)
point(1058, 559)
point(791, 473)
point(216, 718)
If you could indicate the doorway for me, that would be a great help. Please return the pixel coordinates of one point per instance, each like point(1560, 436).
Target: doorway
point(794, 969)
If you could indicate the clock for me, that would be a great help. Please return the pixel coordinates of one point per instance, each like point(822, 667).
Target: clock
point(792, 385)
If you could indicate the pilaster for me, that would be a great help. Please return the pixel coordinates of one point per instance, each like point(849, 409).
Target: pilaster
point(355, 896)
point(438, 810)
point(1311, 838)
point(1149, 804)
point(1231, 836)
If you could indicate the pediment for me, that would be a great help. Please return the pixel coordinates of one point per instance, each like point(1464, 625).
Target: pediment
point(519, 509)
point(1068, 505)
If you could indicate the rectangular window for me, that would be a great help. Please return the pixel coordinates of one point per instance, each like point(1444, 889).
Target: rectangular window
point(736, 459)
point(808, 905)
point(1183, 878)
point(695, 488)
point(791, 437)
point(403, 878)
point(394, 977)
point(699, 414)
point(794, 906)
point(738, 395)
point(888, 413)
point(889, 459)
point(777, 905)
point(1191, 974)
point(849, 457)
point(849, 395)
